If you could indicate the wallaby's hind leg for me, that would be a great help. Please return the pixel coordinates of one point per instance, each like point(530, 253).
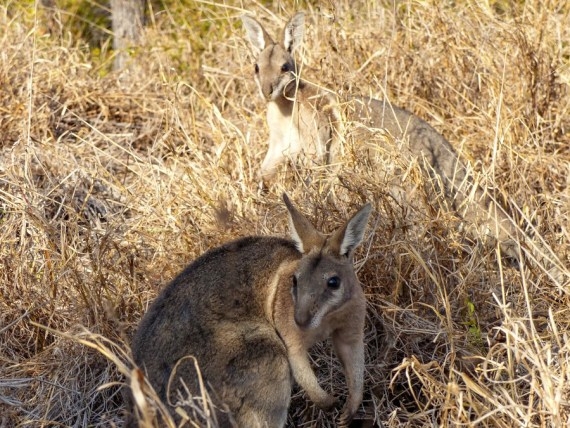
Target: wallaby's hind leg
point(267, 403)
point(257, 381)
point(273, 415)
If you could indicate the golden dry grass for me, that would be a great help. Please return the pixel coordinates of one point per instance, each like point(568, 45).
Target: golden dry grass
point(110, 184)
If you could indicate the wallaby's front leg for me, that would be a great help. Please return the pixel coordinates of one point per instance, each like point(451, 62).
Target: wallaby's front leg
point(349, 347)
point(272, 160)
point(305, 377)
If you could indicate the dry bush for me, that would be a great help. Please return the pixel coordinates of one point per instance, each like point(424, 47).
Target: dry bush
point(110, 184)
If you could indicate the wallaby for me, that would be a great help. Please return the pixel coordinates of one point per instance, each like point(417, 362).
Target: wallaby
point(248, 312)
point(304, 118)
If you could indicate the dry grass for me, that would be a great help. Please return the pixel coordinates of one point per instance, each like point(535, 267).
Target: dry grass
point(109, 185)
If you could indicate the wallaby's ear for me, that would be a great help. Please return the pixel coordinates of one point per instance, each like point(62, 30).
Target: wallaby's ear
point(348, 237)
point(257, 35)
point(302, 231)
point(293, 32)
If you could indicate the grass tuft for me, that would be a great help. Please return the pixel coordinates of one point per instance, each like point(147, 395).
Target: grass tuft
point(111, 184)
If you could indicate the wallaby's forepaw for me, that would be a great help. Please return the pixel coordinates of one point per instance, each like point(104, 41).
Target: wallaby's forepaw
point(262, 187)
point(345, 418)
point(327, 402)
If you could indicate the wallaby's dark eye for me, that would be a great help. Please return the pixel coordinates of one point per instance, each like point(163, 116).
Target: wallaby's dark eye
point(285, 67)
point(333, 282)
point(256, 69)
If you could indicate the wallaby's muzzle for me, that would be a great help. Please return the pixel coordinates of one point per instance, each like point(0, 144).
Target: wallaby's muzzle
point(303, 319)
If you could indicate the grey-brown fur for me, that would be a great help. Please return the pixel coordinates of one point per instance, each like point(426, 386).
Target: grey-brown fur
point(236, 311)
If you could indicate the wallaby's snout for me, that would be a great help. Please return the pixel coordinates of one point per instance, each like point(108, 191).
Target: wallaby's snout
point(302, 320)
point(304, 310)
point(304, 303)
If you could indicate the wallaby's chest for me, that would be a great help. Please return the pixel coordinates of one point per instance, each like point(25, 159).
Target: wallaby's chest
point(297, 127)
point(284, 131)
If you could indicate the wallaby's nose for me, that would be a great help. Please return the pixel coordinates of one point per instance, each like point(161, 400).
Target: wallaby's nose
point(271, 90)
point(302, 320)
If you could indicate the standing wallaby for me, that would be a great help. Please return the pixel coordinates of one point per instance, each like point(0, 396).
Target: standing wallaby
point(300, 117)
point(303, 118)
point(248, 312)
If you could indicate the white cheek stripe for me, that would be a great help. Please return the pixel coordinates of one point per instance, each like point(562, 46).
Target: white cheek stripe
point(325, 308)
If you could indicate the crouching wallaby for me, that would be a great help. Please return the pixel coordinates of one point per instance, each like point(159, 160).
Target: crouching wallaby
point(303, 118)
point(248, 312)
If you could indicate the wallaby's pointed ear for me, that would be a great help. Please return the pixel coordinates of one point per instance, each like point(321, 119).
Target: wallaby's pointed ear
point(348, 237)
point(302, 231)
point(293, 32)
point(256, 34)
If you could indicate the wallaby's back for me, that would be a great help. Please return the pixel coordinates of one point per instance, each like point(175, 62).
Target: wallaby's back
point(214, 310)
point(441, 162)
